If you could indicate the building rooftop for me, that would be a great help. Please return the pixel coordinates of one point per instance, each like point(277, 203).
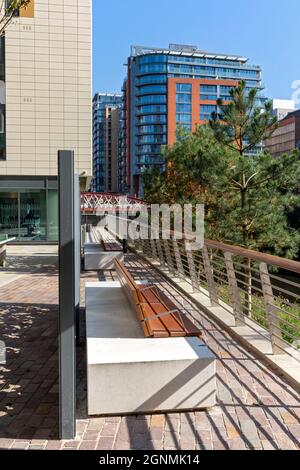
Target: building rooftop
point(186, 50)
point(295, 114)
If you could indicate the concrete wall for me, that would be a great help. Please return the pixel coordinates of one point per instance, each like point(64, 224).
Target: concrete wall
point(48, 88)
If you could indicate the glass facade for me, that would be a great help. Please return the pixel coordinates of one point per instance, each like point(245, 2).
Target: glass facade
point(149, 71)
point(208, 92)
point(206, 111)
point(184, 105)
point(29, 215)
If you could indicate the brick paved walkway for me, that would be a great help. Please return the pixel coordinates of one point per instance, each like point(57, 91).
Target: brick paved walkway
point(256, 408)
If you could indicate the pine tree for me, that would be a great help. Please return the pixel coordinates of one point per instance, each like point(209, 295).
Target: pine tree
point(258, 189)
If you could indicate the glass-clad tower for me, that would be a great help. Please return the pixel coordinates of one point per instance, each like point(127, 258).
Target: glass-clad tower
point(167, 87)
point(106, 130)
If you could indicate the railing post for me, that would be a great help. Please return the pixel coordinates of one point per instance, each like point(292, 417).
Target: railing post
point(170, 262)
point(234, 290)
point(160, 252)
point(178, 259)
point(272, 317)
point(147, 248)
point(191, 265)
point(153, 247)
point(209, 277)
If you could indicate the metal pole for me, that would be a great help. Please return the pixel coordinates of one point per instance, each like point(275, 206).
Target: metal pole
point(77, 252)
point(67, 369)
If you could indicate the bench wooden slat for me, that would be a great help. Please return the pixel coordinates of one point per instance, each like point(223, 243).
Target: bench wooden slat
point(111, 246)
point(169, 321)
point(190, 327)
point(152, 305)
point(154, 325)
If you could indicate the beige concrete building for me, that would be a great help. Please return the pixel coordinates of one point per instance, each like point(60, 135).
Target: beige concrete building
point(47, 107)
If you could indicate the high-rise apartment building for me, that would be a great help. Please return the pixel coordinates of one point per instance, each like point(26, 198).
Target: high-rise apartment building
point(168, 87)
point(106, 141)
point(45, 106)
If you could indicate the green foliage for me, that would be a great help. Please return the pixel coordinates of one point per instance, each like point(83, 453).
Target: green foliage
point(257, 194)
point(241, 125)
point(289, 315)
point(191, 165)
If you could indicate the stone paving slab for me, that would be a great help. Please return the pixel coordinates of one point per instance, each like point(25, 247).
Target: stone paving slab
point(256, 408)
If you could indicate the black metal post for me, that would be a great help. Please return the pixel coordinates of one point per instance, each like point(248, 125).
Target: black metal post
point(125, 247)
point(67, 362)
point(77, 254)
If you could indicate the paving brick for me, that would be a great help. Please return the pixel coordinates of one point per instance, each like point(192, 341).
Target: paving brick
point(156, 433)
point(157, 420)
point(269, 445)
point(88, 445)
point(90, 436)
point(105, 443)
point(122, 445)
point(53, 445)
point(109, 429)
point(20, 445)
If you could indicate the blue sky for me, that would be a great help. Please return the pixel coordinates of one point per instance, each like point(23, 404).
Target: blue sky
point(265, 31)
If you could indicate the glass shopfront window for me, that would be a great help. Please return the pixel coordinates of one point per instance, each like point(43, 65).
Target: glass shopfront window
point(33, 215)
point(29, 215)
point(9, 214)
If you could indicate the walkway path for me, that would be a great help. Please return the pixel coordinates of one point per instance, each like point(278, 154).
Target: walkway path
point(256, 408)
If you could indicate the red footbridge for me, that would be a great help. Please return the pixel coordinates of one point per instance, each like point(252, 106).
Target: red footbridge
point(96, 203)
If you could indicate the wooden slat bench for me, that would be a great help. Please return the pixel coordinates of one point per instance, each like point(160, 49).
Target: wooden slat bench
point(159, 316)
point(111, 245)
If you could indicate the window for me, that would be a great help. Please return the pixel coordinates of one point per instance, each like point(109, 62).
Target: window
point(152, 99)
point(183, 118)
point(152, 68)
point(183, 87)
point(160, 118)
point(150, 148)
point(143, 90)
point(152, 58)
point(152, 109)
point(206, 111)
point(208, 92)
point(153, 129)
point(208, 89)
point(183, 108)
point(183, 98)
point(152, 79)
point(152, 139)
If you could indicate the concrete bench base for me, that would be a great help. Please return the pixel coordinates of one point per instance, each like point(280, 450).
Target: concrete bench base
point(95, 258)
point(128, 373)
